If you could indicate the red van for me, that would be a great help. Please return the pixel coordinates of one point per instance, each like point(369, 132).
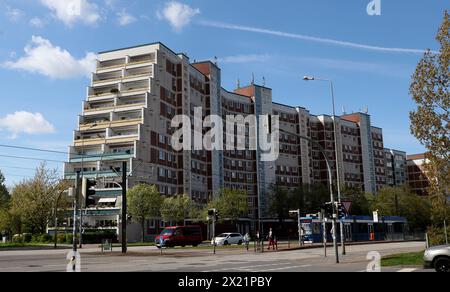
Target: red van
point(180, 236)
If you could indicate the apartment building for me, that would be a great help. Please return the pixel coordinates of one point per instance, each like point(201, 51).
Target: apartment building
point(136, 92)
point(417, 178)
point(395, 167)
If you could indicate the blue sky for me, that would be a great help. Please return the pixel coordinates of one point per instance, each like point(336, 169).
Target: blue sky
point(46, 52)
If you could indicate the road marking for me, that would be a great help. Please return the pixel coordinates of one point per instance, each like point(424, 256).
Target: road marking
point(244, 268)
point(280, 269)
point(407, 270)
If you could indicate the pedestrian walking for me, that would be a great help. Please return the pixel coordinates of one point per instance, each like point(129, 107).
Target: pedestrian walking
point(247, 240)
point(271, 239)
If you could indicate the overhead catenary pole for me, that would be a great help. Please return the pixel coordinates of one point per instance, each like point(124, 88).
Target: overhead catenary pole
point(124, 207)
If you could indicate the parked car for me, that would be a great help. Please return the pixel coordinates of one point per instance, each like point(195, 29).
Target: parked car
point(179, 236)
point(229, 239)
point(438, 258)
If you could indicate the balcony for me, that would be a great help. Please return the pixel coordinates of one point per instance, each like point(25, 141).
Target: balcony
point(99, 106)
point(135, 86)
point(139, 72)
point(142, 59)
point(110, 64)
point(104, 90)
point(107, 77)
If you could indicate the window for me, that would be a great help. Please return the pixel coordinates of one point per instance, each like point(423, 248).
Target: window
point(162, 172)
point(162, 155)
point(162, 139)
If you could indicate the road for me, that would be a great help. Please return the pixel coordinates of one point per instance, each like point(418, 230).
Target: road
point(149, 259)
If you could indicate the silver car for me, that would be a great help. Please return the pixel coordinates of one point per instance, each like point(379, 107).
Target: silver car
point(229, 239)
point(438, 258)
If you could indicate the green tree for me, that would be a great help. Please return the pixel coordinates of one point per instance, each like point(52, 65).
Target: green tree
point(360, 201)
point(400, 201)
point(144, 202)
point(177, 209)
point(5, 222)
point(4, 194)
point(231, 204)
point(430, 121)
point(280, 203)
point(310, 198)
point(33, 200)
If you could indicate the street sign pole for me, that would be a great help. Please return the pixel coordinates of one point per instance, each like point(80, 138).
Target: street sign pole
point(324, 237)
point(214, 232)
point(445, 232)
point(124, 207)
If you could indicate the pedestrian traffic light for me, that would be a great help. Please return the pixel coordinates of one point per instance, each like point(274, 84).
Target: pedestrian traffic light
point(88, 192)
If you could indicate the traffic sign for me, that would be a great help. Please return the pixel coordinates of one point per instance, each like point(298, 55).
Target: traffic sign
point(375, 217)
point(347, 206)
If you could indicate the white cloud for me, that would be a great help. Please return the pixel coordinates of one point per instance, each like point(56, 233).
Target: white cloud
point(14, 14)
point(37, 22)
point(177, 14)
point(71, 11)
point(310, 38)
point(253, 58)
point(125, 18)
point(26, 122)
point(52, 61)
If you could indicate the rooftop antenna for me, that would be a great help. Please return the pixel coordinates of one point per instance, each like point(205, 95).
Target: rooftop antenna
point(343, 110)
point(253, 78)
point(215, 60)
point(264, 81)
point(238, 84)
point(366, 110)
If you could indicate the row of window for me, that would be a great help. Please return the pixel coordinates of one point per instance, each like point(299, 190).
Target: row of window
point(165, 173)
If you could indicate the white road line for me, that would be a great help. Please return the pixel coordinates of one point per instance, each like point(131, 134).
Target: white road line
point(280, 269)
point(244, 268)
point(407, 270)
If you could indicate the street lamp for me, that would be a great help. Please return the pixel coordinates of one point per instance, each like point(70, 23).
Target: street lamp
point(338, 185)
point(330, 174)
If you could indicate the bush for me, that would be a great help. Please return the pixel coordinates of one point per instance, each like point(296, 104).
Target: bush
point(95, 237)
point(27, 237)
point(46, 238)
point(61, 238)
point(69, 238)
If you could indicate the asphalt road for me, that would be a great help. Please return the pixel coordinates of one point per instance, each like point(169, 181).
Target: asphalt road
point(148, 259)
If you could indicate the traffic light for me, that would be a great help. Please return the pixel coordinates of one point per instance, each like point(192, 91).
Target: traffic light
point(217, 216)
point(341, 210)
point(214, 214)
point(327, 210)
point(88, 191)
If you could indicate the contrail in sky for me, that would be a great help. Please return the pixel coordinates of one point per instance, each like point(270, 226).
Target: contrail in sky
point(311, 38)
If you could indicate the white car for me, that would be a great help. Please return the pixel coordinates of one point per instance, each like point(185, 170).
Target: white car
point(229, 239)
